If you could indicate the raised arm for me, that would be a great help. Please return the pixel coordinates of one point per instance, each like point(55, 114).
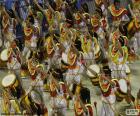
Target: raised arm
point(16, 15)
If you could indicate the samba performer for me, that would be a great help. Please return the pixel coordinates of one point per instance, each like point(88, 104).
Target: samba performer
point(108, 93)
point(118, 53)
point(75, 68)
point(10, 106)
point(58, 93)
point(88, 48)
point(8, 28)
point(32, 104)
point(14, 57)
point(83, 101)
point(118, 13)
point(53, 17)
point(98, 32)
point(80, 23)
point(53, 49)
point(31, 30)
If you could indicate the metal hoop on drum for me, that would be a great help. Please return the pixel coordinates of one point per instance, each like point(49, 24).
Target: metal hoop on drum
point(94, 78)
point(12, 84)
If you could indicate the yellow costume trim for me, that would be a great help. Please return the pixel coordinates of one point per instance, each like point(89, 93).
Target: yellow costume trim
point(50, 47)
point(71, 61)
point(86, 46)
point(115, 12)
point(115, 57)
point(27, 31)
point(104, 89)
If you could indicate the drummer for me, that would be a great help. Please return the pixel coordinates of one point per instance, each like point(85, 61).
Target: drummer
point(58, 93)
point(8, 27)
point(14, 60)
point(118, 55)
point(118, 13)
point(108, 94)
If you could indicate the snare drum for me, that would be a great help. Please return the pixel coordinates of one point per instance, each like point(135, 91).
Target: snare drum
point(94, 78)
point(11, 83)
point(121, 91)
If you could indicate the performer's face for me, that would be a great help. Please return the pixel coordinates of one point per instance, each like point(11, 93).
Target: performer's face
point(117, 5)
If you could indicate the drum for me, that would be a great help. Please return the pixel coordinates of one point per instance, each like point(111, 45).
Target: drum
point(11, 83)
point(94, 78)
point(32, 103)
point(4, 58)
point(121, 91)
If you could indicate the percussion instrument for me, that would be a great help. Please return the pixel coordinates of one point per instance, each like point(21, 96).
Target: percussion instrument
point(32, 103)
point(12, 84)
point(4, 55)
point(94, 78)
point(3, 58)
point(121, 91)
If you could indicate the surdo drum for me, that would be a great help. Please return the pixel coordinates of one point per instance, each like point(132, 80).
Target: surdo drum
point(12, 85)
point(121, 91)
point(94, 78)
point(4, 58)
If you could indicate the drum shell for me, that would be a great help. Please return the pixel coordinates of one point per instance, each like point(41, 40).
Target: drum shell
point(3, 64)
point(15, 89)
point(95, 81)
point(94, 78)
point(119, 94)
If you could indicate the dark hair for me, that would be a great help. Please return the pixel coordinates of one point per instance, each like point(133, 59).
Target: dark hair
point(31, 19)
point(85, 95)
point(115, 1)
point(121, 40)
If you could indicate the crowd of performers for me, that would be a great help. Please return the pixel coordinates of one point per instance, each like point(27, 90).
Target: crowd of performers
point(54, 46)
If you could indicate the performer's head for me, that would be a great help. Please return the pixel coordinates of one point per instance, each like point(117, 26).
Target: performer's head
point(117, 4)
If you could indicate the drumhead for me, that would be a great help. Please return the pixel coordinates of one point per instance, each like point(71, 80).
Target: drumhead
point(4, 55)
point(95, 68)
point(8, 80)
point(123, 85)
